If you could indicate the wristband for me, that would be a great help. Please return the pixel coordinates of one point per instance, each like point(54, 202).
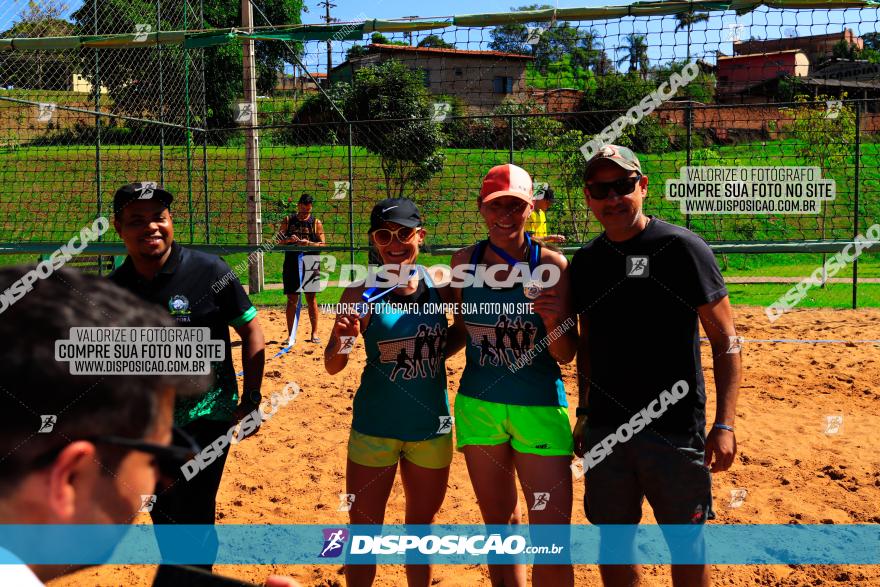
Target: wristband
point(579, 411)
point(254, 397)
point(722, 427)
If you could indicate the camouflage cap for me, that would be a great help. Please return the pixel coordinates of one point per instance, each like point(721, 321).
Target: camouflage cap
point(621, 156)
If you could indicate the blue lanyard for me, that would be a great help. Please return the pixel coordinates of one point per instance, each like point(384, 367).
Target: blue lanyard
point(533, 253)
point(370, 294)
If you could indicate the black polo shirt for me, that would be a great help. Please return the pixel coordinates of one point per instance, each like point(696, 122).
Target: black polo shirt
point(198, 290)
point(640, 298)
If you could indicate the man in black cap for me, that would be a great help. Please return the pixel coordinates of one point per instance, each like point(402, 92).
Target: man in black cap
point(642, 289)
point(301, 229)
point(196, 290)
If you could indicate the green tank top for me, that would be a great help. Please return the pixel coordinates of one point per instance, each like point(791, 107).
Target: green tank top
point(497, 340)
point(402, 394)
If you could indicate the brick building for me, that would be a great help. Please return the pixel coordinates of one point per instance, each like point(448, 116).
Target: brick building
point(480, 79)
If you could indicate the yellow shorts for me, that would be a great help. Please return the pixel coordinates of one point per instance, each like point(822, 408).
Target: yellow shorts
point(375, 451)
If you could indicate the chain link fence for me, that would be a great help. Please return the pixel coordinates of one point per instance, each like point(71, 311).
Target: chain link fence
point(133, 98)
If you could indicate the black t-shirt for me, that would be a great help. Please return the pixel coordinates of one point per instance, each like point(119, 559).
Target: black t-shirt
point(198, 290)
point(640, 298)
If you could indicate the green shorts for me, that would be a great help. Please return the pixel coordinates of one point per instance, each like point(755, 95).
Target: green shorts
point(539, 430)
point(375, 451)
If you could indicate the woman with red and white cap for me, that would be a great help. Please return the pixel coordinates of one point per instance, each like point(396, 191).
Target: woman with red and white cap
point(511, 413)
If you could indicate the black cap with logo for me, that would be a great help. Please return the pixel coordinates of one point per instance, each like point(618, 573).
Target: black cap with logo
point(140, 190)
point(401, 211)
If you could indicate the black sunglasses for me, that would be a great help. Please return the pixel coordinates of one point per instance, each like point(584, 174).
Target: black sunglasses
point(169, 458)
point(622, 187)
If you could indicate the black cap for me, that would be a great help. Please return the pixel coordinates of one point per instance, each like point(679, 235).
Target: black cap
point(306, 199)
point(140, 190)
point(402, 211)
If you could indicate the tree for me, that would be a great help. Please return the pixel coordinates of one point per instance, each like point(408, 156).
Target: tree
point(409, 148)
point(686, 21)
point(40, 70)
point(612, 97)
point(511, 38)
point(131, 75)
point(435, 41)
point(636, 54)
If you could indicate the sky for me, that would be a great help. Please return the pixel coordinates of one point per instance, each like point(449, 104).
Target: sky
point(664, 44)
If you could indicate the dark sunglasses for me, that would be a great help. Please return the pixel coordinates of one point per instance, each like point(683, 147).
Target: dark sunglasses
point(622, 187)
point(169, 458)
point(383, 236)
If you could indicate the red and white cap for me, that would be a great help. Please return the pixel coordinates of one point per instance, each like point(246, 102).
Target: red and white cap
point(507, 180)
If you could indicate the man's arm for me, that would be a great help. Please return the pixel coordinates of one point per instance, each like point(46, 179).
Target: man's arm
point(583, 383)
point(253, 358)
point(319, 230)
point(717, 320)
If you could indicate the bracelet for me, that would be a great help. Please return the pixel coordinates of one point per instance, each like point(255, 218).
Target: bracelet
point(722, 427)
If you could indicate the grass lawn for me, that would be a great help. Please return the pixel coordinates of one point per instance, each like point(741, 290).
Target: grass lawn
point(48, 194)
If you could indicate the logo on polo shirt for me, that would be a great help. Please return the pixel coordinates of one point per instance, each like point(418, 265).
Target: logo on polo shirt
point(636, 266)
point(179, 307)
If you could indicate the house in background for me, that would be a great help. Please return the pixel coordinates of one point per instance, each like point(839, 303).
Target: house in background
point(303, 83)
point(818, 48)
point(739, 76)
point(758, 69)
point(482, 80)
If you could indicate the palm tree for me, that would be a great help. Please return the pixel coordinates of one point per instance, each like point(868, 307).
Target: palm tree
point(686, 20)
point(636, 54)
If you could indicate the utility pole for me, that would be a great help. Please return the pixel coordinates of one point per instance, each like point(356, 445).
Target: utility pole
point(328, 19)
point(252, 154)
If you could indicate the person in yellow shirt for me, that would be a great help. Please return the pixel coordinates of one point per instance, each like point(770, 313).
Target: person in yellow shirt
point(536, 224)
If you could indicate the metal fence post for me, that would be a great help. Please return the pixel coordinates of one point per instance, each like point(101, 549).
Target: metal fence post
point(351, 198)
point(689, 118)
point(856, 179)
point(97, 90)
point(161, 94)
point(510, 124)
point(252, 155)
